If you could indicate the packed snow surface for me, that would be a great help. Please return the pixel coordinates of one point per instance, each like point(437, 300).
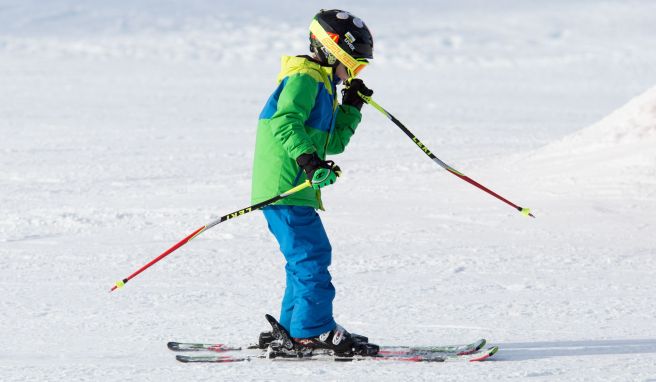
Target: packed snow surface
point(126, 125)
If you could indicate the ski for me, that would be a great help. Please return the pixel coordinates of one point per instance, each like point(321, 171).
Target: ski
point(448, 349)
point(315, 355)
point(190, 346)
point(463, 349)
point(278, 344)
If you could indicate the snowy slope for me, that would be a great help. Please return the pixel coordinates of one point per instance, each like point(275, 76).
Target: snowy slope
point(619, 148)
point(611, 160)
point(632, 123)
point(125, 125)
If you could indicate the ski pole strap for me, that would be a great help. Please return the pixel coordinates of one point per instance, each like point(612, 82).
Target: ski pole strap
point(370, 101)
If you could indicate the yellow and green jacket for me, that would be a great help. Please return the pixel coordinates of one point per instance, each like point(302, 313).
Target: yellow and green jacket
point(302, 116)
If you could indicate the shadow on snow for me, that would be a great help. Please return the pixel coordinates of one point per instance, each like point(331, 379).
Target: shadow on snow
point(537, 350)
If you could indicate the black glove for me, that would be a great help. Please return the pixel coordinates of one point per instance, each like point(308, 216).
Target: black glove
point(326, 172)
point(350, 93)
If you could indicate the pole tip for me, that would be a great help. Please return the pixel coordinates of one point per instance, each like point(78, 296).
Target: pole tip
point(119, 284)
point(526, 212)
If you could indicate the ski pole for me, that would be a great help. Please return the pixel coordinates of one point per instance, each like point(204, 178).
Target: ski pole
point(193, 235)
point(367, 99)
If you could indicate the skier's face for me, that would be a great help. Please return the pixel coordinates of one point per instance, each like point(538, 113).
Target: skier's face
point(341, 72)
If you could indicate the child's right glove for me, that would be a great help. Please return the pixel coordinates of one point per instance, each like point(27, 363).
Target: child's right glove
point(350, 93)
point(320, 173)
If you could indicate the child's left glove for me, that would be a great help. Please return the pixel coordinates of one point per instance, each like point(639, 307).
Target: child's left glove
point(350, 93)
point(320, 173)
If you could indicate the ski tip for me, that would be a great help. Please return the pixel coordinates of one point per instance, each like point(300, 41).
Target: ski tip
point(173, 345)
point(474, 347)
point(485, 355)
point(480, 345)
point(182, 358)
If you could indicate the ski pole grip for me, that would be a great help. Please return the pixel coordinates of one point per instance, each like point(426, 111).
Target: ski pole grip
point(366, 99)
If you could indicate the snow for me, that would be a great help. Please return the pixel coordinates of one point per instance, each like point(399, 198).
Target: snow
point(619, 149)
point(128, 124)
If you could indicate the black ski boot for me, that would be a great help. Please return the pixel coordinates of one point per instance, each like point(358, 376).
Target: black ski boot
point(282, 345)
point(266, 338)
point(281, 338)
point(341, 342)
point(338, 340)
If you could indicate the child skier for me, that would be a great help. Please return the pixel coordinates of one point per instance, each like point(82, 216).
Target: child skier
point(300, 124)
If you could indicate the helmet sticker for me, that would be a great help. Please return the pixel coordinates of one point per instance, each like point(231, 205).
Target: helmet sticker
point(342, 15)
point(349, 39)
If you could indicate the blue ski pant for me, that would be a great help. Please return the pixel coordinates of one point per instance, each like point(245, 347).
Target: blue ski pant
point(307, 306)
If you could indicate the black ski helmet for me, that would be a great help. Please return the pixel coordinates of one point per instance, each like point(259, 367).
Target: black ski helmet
point(348, 31)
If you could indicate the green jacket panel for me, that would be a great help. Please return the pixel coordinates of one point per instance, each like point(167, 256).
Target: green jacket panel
point(301, 116)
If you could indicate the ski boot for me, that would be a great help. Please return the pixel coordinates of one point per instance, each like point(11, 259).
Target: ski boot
point(341, 343)
point(266, 338)
point(281, 344)
point(361, 346)
point(338, 341)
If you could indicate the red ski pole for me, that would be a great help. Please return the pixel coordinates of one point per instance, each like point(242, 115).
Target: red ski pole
point(121, 283)
point(522, 210)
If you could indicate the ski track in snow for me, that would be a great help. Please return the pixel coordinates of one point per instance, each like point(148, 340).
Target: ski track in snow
point(126, 125)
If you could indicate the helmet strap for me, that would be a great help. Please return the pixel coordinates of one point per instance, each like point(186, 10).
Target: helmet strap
point(323, 54)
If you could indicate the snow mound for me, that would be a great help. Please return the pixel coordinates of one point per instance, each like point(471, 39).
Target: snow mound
point(615, 156)
point(634, 122)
